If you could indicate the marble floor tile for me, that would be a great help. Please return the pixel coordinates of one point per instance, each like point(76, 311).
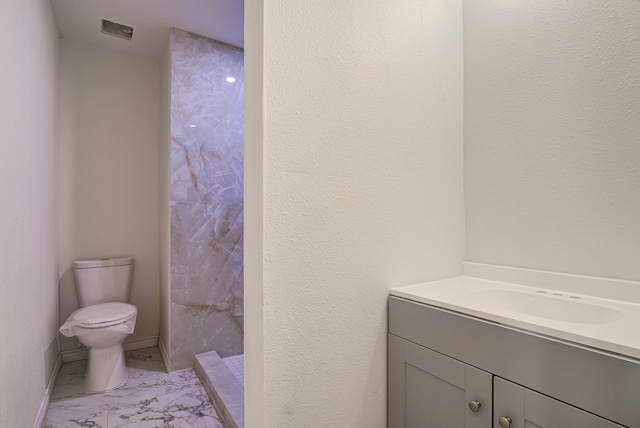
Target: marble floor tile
point(150, 398)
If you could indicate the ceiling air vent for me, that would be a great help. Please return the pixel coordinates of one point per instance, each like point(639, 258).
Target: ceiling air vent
point(118, 30)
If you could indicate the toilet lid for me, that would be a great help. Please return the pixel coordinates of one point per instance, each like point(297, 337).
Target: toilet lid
point(104, 314)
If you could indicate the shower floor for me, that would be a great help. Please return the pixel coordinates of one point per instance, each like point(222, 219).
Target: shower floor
point(236, 365)
point(223, 379)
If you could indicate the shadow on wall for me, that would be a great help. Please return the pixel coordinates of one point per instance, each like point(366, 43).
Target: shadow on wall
point(68, 298)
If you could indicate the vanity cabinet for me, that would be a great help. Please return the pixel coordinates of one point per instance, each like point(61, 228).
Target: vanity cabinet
point(449, 370)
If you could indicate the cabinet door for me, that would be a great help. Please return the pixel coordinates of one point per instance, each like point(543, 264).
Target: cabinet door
point(428, 389)
point(528, 409)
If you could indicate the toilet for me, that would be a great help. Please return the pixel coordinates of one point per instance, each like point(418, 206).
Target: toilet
point(104, 319)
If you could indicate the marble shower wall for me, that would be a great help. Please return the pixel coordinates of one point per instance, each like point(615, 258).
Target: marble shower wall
point(206, 199)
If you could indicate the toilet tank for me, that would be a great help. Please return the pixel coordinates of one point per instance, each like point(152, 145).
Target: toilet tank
point(103, 280)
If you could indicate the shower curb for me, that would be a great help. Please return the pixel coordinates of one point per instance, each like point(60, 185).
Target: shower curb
point(224, 390)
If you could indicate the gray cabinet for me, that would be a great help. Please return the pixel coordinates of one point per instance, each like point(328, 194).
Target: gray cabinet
point(440, 361)
point(428, 389)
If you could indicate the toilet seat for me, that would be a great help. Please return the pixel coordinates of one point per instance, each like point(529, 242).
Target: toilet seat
point(104, 315)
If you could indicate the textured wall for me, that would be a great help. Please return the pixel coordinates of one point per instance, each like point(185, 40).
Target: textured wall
point(552, 122)
point(109, 136)
point(29, 208)
point(206, 198)
point(359, 144)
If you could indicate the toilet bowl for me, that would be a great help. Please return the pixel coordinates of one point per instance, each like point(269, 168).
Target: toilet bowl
point(104, 320)
point(102, 328)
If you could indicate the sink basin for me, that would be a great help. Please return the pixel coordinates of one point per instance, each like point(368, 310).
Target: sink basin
point(542, 304)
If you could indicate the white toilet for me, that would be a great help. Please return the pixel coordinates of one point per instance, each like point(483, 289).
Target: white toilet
point(104, 319)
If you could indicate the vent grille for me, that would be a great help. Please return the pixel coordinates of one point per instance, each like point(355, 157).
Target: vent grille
point(117, 30)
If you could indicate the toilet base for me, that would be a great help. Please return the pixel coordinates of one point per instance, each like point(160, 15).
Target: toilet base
point(106, 368)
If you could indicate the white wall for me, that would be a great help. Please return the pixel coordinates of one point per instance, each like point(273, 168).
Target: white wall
point(552, 121)
point(28, 213)
point(356, 152)
point(110, 135)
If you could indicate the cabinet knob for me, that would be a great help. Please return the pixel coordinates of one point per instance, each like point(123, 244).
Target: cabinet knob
point(474, 405)
point(504, 421)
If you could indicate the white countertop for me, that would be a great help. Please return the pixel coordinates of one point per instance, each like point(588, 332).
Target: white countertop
point(597, 322)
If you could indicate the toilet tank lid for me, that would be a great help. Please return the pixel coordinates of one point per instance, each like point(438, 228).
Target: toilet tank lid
point(97, 263)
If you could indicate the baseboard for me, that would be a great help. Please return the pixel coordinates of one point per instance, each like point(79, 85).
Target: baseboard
point(128, 345)
point(145, 342)
point(42, 412)
point(164, 354)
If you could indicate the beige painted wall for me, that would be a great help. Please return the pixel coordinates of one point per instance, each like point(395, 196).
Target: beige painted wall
point(354, 144)
point(163, 208)
point(110, 134)
point(29, 208)
point(552, 121)
point(254, 358)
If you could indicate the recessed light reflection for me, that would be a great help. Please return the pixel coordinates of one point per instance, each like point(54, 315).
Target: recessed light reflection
point(192, 125)
point(231, 79)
